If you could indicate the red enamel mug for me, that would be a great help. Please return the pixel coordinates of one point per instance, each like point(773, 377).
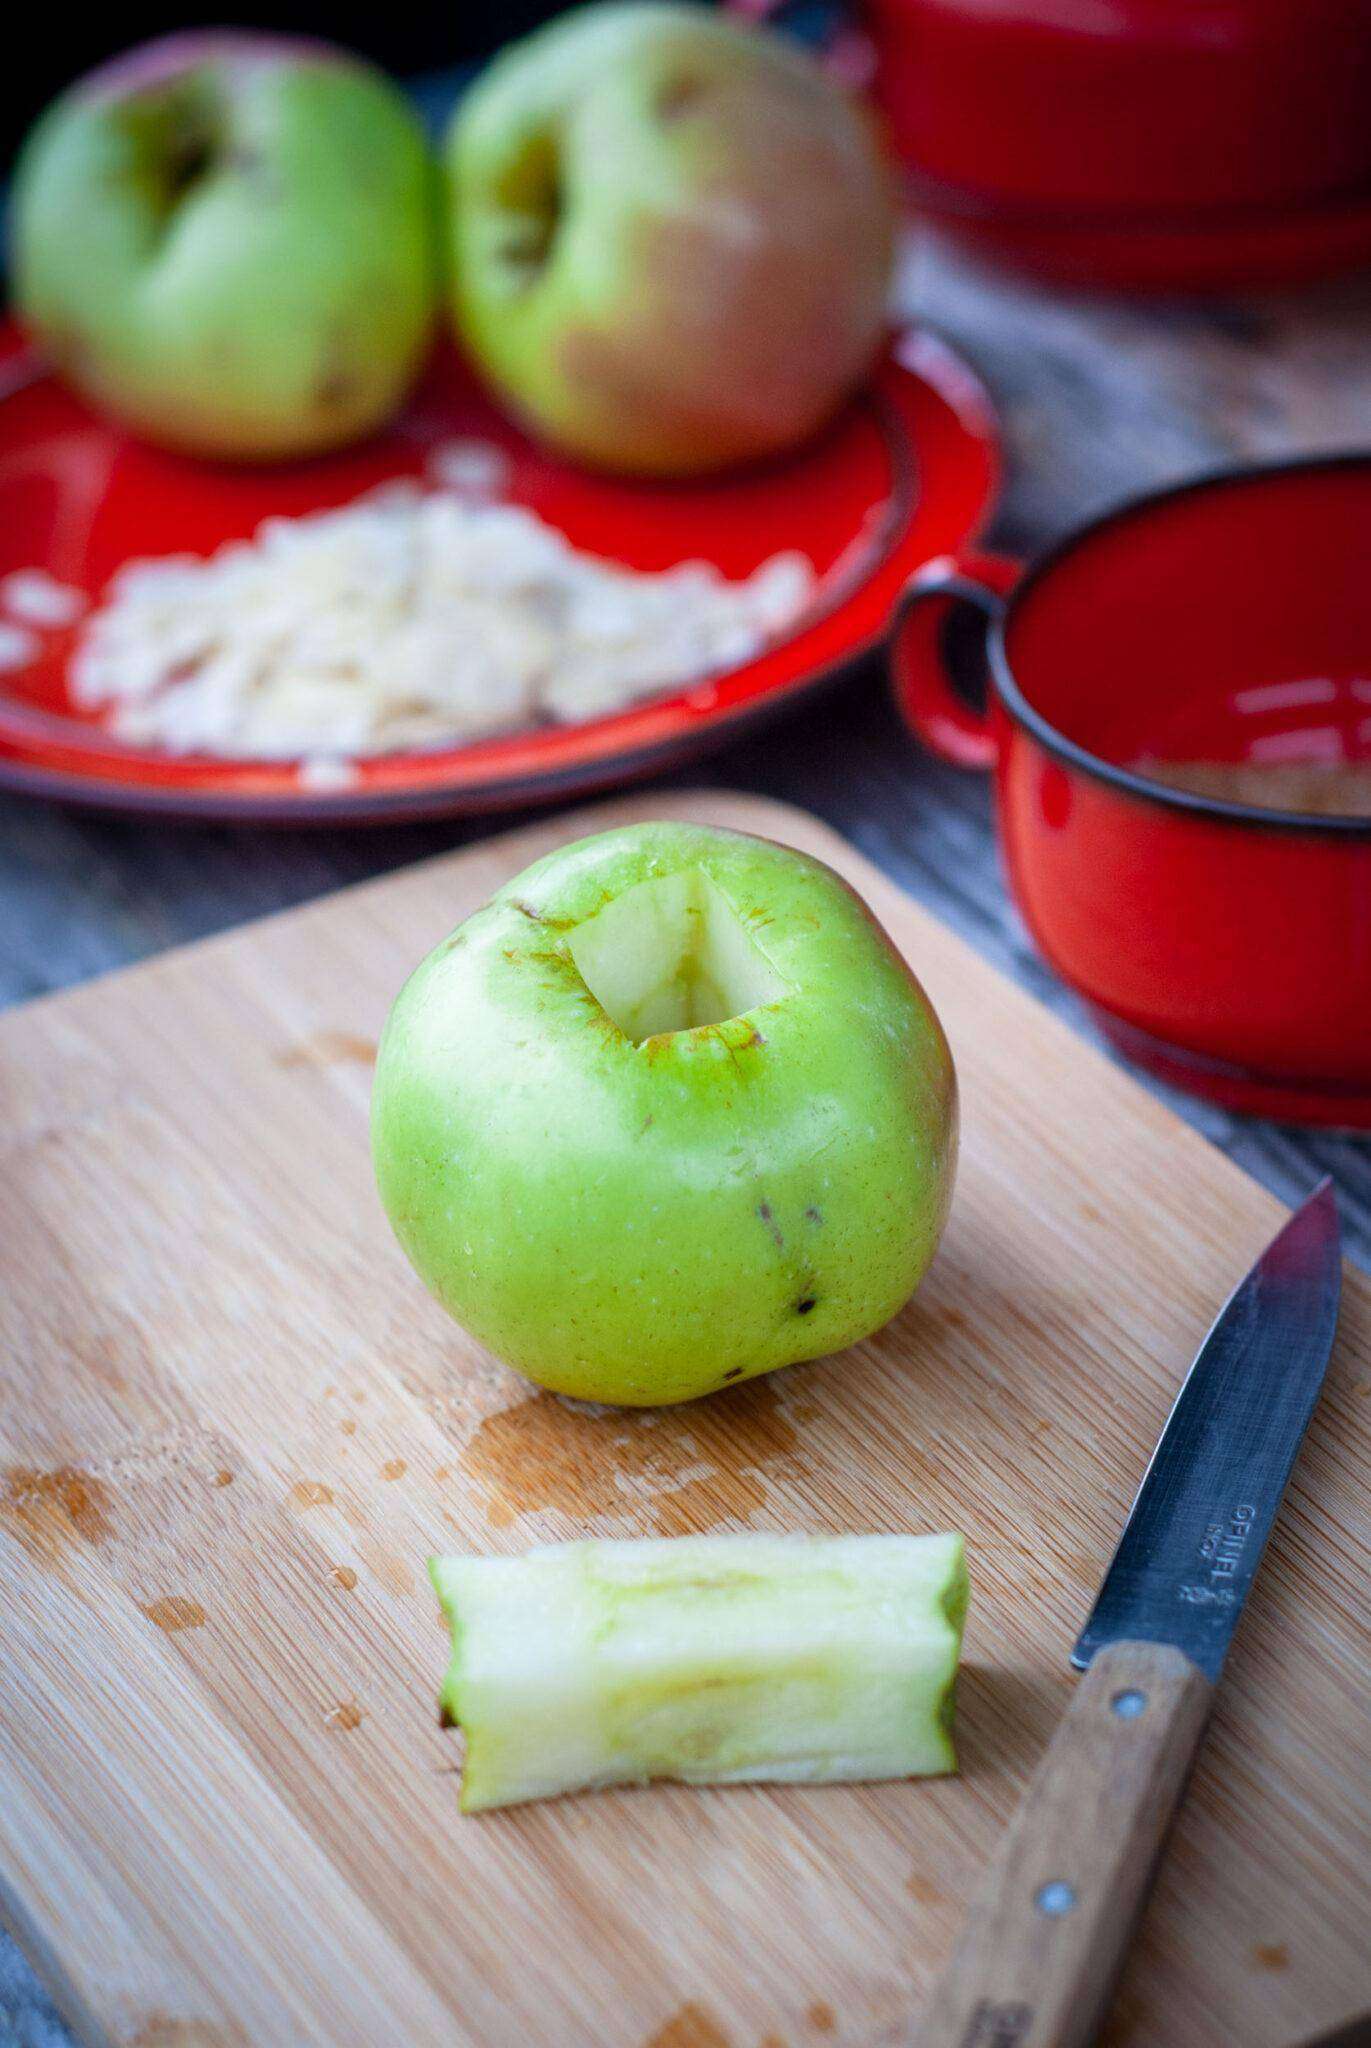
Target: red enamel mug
point(1145, 679)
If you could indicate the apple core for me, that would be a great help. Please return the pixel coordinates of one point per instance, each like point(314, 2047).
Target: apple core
point(672, 955)
point(708, 1659)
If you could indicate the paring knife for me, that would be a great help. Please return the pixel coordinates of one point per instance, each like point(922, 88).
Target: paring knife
point(1043, 1942)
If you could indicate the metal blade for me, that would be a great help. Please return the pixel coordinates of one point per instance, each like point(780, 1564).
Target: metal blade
point(1195, 1534)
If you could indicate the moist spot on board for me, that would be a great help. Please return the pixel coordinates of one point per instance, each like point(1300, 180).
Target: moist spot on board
point(390, 1571)
point(310, 1493)
point(173, 1613)
point(46, 1510)
point(329, 1049)
point(163, 2030)
point(691, 2027)
point(670, 1471)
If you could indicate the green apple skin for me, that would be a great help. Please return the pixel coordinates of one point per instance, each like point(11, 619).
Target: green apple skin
point(643, 1223)
point(671, 238)
point(229, 242)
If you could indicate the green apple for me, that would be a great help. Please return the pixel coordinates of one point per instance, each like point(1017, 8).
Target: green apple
point(671, 237)
point(228, 240)
point(669, 1112)
point(716, 1660)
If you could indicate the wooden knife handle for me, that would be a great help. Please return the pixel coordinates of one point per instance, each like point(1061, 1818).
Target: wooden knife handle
point(1037, 1958)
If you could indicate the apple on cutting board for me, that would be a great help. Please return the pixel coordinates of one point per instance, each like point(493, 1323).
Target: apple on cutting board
point(671, 237)
point(226, 239)
point(669, 1112)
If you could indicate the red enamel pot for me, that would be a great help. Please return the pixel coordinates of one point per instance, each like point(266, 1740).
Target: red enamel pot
point(1227, 623)
point(1153, 107)
point(1143, 144)
point(1138, 145)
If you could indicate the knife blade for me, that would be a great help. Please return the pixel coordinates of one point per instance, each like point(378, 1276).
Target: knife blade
point(1046, 1935)
point(1209, 1497)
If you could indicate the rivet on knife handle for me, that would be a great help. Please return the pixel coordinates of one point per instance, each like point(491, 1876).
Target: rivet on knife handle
point(1045, 1937)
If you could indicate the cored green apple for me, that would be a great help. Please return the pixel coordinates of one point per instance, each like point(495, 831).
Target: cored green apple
point(671, 237)
point(669, 1112)
point(228, 241)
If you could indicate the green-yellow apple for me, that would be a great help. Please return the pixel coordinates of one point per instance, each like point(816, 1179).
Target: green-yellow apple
point(669, 1112)
point(671, 237)
point(229, 241)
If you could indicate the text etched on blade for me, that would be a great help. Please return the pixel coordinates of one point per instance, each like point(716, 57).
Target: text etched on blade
point(1220, 1552)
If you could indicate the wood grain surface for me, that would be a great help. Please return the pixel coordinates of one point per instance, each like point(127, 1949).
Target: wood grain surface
point(232, 1425)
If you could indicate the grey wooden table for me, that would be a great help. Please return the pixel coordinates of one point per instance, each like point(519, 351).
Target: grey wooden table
point(1099, 399)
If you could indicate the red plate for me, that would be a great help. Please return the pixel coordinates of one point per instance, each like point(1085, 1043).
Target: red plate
point(906, 473)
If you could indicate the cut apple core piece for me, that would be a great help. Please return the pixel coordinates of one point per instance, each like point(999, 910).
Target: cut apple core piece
point(713, 1660)
point(672, 954)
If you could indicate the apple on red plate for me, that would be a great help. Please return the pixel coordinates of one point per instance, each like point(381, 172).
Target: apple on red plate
point(227, 240)
point(670, 237)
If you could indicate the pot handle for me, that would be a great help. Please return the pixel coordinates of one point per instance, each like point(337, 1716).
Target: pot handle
point(933, 710)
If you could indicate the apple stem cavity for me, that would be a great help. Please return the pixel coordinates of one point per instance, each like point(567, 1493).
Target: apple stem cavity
point(226, 240)
point(193, 158)
point(173, 135)
point(671, 954)
point(531, 203)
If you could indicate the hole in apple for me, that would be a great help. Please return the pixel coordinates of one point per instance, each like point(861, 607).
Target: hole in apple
point(193, 156)
point(672, 954)
point(528, 193)
point(173, 132)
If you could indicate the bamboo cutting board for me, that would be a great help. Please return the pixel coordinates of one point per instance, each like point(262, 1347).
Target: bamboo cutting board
point(233, 1426)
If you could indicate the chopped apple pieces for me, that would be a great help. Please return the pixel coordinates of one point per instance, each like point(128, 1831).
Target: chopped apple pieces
point(708, 1659)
